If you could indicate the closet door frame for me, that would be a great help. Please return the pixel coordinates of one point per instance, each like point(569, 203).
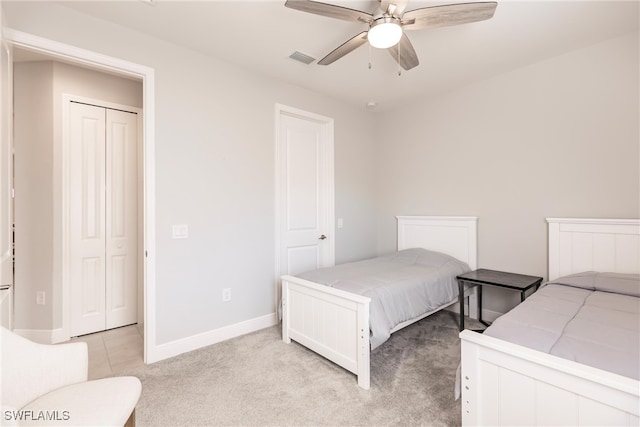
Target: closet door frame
point(64, 242)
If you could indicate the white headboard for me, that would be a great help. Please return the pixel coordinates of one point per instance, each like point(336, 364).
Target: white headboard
point(606, 245)
point(452, 235)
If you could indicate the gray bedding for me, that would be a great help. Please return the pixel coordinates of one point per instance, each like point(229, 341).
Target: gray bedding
point(591, 318)
point(402, 285)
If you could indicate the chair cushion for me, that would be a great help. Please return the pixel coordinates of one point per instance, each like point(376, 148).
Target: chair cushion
point(29, 370)
point(104, 402)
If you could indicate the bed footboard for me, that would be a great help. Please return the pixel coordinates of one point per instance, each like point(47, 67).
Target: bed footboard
point(507, 384)
point(331, 322)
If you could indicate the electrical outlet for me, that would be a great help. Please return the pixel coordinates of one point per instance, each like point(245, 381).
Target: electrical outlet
point(40, 298)
point(226, 294)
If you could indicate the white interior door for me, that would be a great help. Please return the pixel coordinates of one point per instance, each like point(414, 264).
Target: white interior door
point(102, 218)
point(305, 158)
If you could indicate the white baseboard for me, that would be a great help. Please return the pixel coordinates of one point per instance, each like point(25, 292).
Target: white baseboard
point(43, 336)
point(184, 345)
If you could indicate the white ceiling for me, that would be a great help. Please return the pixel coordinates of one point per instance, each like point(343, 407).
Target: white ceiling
point(260, 35)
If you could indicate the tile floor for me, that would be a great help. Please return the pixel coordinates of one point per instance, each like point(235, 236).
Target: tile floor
point(114, 351)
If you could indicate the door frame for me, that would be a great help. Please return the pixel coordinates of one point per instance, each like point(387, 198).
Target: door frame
point(6, 182)
point(327, 164)
point(105, 63)
point(66, 203)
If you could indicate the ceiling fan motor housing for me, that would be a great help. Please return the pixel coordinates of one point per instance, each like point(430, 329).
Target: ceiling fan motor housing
point(384, 32)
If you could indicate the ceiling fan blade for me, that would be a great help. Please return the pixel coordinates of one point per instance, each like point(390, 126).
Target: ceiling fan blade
point(445, 15)
point(345, 48)
point(407, 58)
point(329, 10)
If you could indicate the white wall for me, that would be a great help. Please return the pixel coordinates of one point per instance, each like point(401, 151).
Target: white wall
point(33, 204)
point(559, 138)
point(215, 171)
point(38, 90)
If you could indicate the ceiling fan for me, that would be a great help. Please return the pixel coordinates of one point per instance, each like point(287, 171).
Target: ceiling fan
point(388, 22)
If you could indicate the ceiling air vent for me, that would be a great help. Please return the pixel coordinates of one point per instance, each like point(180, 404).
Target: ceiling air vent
point(301, 57)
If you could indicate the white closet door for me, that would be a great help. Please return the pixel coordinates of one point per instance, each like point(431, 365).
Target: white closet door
point(121, 219)
point(103, 269)
point(87, 218)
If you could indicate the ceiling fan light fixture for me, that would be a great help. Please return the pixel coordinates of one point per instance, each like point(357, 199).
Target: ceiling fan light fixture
point(384, 32)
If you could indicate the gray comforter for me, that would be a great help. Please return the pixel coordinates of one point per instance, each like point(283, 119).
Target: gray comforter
point(402, 285)
point(591, 318)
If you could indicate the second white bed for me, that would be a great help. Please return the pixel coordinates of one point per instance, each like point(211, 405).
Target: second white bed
point(505, 383)
point(336, 323)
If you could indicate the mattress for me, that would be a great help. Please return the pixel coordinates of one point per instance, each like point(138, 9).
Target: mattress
point(402, 285)
point(591, 318)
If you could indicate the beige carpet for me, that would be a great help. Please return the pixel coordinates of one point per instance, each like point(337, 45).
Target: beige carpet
point(257, 380)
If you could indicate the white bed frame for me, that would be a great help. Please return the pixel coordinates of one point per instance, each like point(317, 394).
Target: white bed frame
point(335, 323)
point(507, 384)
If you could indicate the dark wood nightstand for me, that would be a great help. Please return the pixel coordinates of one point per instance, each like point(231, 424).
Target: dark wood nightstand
point(483, 277)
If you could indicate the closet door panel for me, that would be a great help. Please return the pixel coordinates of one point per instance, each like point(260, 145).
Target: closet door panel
point(87, 218)
point(121, 218)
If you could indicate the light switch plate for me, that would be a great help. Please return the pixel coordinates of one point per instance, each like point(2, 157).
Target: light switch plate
point(180, 231)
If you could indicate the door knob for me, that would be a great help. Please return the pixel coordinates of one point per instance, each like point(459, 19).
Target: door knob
point(322, 237)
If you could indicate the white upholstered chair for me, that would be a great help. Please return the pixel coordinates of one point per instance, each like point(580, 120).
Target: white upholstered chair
point(47, 385)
